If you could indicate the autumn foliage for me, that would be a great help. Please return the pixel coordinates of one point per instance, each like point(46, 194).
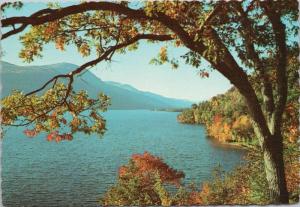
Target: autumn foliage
point(143, 182)
point(59, 113)
point(149, 164)
point(224, 116)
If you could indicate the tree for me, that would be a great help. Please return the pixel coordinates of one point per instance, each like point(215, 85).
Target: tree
point(235, 38)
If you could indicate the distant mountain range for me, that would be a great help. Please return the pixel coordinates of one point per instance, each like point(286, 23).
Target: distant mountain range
point(123, 96)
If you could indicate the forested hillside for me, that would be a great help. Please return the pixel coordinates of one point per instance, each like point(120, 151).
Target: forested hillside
point(226, 116)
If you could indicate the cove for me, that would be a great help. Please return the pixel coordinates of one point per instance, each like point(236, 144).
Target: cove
point(77, 173)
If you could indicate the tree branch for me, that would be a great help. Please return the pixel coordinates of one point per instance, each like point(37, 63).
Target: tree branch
point(42, 17)
point(280, 38)
point(71, 75)
point(247, 33)
point(14, 31)
point(104, 56)
point(48, 15)
point(209, 18)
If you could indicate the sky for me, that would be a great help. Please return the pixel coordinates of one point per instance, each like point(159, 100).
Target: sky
point(132, 68)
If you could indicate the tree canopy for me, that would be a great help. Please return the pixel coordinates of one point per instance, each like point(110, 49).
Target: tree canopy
point(211, 30)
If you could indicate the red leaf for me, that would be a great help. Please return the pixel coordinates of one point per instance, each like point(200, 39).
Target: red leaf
point(30, 133)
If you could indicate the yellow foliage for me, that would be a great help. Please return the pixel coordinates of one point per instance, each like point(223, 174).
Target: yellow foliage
point(84, 49)
point(220, 130)
point(60, 43)
point(163, 54)
point(243, 122)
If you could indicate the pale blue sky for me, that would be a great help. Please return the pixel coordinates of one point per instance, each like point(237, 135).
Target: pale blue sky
point(132, 68)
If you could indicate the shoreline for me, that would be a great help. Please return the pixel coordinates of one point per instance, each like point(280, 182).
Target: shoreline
point(236, 145)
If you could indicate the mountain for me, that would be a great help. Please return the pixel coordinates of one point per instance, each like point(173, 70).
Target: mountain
point(123, 96)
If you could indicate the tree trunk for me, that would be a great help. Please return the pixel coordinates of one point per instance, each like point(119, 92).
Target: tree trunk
point(274, 168)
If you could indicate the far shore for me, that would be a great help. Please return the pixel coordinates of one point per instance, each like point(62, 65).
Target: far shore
point(236, 145)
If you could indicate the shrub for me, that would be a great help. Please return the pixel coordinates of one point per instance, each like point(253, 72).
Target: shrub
point(142, 182)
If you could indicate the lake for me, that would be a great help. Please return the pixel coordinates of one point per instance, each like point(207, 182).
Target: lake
point(40, 173)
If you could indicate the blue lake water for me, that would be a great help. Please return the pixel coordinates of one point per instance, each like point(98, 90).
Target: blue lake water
point(40, 173)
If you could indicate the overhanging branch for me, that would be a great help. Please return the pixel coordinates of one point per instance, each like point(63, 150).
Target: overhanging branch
point(13, 21)
point(247, 32)
point(106, 55)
